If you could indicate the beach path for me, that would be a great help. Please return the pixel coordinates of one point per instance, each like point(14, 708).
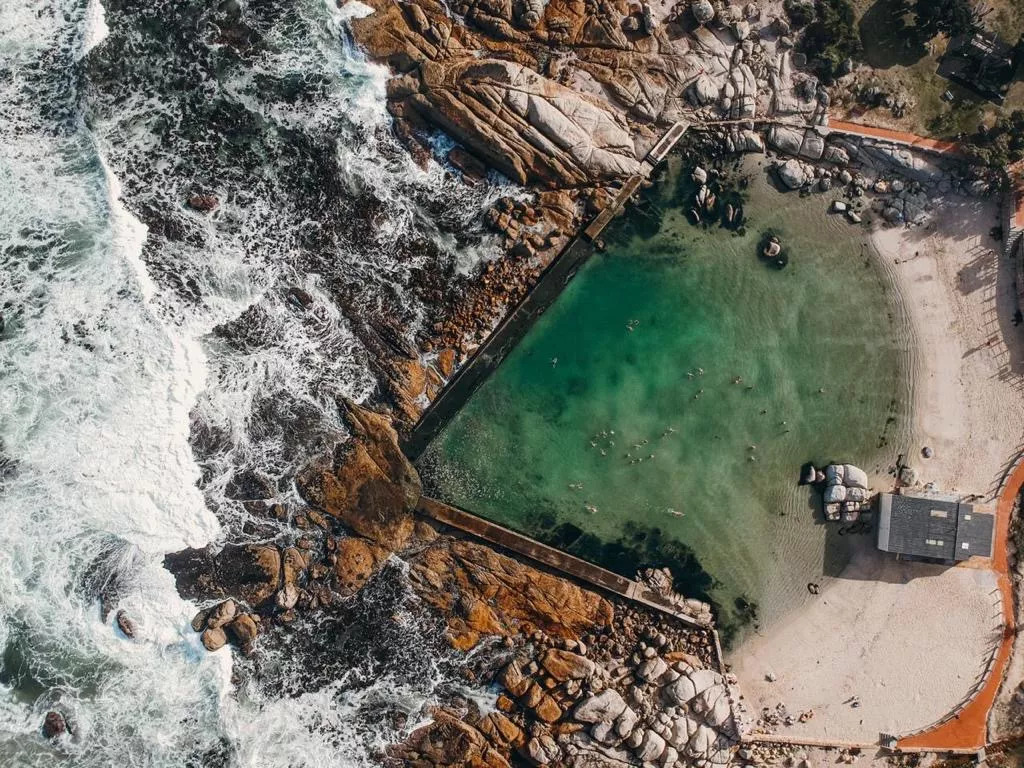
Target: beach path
point(898, 137)
point(969, 729)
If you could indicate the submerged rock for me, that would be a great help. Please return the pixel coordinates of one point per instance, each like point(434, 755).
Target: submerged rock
point(125, 623)
point(54, 725)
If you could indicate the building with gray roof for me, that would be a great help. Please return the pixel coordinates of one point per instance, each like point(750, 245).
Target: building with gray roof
point(931, 528)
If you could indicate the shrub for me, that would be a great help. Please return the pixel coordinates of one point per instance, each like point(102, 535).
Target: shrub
point(831, 38)
point(1001, 144)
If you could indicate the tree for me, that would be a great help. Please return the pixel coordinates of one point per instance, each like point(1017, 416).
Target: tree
point(1001, 144)
point(951, 17)
point(831, 38)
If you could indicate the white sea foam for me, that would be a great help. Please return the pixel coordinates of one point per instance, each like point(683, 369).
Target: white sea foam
point(94, 415)
point(105, 364)
point(96, 29)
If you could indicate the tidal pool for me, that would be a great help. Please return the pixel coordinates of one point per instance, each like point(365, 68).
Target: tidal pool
point(660, 411)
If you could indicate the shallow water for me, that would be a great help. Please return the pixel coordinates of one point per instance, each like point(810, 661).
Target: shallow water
point(636, 447)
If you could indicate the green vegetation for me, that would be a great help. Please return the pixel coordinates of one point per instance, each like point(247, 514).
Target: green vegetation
point(906, 60)
point(800, 12)
point(831, 38)
point(1001, 144)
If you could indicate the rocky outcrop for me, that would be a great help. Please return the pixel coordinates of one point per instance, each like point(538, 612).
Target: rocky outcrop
point(373, 488)
point(637, 691)
point(251, 573)
point(485, 593)
point(450, 742)
point(529, 127)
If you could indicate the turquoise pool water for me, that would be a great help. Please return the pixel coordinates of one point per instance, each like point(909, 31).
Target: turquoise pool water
point(660, 411)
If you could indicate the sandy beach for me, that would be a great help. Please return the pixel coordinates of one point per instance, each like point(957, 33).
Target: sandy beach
point(910, 640)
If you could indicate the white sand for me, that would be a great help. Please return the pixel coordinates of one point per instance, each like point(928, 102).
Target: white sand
point(960, 297)
point(908, 639)
point(911, 639)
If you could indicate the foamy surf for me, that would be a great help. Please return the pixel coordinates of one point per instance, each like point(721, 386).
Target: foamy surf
point(153, 352)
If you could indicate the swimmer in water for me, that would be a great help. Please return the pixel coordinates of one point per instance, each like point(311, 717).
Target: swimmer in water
point(554, 361)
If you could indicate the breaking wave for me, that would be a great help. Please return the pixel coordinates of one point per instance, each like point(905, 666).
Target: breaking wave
point(207, 237)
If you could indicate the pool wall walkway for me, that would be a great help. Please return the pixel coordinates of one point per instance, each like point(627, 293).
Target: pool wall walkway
point(579, 570)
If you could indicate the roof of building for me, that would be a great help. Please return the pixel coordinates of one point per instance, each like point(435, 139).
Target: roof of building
point(936, 528)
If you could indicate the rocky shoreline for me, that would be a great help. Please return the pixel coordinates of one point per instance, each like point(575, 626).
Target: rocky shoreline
point(563, 99)
point(581, 675)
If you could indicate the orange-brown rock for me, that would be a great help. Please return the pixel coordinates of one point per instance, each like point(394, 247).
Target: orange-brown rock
point(484, 592)
point(446, 362)
point(409, 382)
point(373, 488)
point(565, 665)
point(243, 631)
point(534, 694)
point(501, 731)
point(357, 561)
point(214, 638)
point(514, 680)
point(547, 710)
point(449, 742)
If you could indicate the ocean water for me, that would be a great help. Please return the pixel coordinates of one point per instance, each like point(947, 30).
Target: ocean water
point(659, 413)
point(152, 364)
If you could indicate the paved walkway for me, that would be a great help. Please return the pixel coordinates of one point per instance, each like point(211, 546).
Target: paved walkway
point(911, 140)
point(969, 728)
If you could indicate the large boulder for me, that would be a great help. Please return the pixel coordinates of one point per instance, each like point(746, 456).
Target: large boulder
point(703, 11)
point(243, 630)
point(793, 174)
point(374, 488)
point(855, 477)
point(565, 665)
point(835, 494)
point(600, 708)
point(681, 691)
point(794, 140)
